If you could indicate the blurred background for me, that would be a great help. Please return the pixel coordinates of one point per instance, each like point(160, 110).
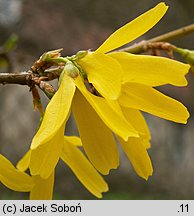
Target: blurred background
point(43, 25)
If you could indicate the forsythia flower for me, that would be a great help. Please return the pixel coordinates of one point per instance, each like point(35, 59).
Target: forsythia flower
point(123, 85)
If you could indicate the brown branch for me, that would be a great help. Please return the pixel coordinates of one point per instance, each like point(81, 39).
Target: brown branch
point(141, 47)
point(27, 77)
point(30, 79)
point(21, 78)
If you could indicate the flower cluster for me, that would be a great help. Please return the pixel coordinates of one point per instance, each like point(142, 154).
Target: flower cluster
point(106, 92)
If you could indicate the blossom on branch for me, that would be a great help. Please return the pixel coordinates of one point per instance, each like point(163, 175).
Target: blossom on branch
point(106, 92)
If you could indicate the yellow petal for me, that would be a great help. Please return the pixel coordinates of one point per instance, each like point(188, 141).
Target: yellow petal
point(117, 123)
point(136, 119)
point(104, 73)
point(23, 164)
point(138, 156)
point(134, 29)
point(45, 157)
point(151, 70)
point(57, 112)
point(13, 178)
point(146, 143)
point(83, 170)
point(147, 99)
point(76, 141)
point(43, 189)
point(98, 141)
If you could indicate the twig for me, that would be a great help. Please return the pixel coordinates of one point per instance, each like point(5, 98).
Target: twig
point(30, 79)
point(27, 77)
point(141, 47)
point(21, 78)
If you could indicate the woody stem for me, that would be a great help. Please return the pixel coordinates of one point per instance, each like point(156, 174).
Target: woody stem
point(141, 46)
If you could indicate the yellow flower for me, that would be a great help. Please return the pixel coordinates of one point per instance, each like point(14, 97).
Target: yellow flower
point(13, 178)
point(78, 163)
point(105, 73)
point(123, 86)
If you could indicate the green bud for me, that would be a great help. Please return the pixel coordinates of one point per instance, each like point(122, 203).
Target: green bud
point(53, 54)
point(79, 55)
point(188, 55)
point(71, 70)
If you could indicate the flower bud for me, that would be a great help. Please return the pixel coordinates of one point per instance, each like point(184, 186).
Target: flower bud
point(81, 54)
point(71, 70)
point(51, 55)
point(188, 55)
